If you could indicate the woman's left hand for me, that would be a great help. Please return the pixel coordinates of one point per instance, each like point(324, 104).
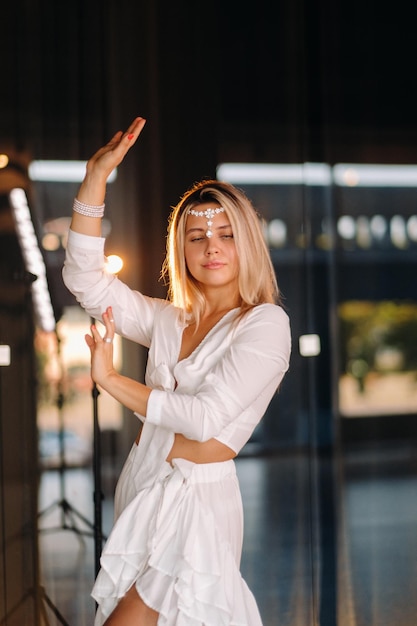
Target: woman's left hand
point(101, 349)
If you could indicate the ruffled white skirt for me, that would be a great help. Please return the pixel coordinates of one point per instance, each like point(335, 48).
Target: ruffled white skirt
point(179, 541)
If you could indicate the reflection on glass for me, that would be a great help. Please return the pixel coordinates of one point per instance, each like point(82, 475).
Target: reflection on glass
point(412, 228)
point(277, 233)
point(378, 225)
point(398, 232)
point(378, 358)
point(346, 227)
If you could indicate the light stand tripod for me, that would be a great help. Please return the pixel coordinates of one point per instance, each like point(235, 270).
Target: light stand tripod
point(69, 515)
point(98, 494)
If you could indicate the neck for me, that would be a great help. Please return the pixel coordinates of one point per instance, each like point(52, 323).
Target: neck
point(221, 303)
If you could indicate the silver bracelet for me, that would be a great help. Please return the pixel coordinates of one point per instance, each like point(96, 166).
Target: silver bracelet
point(88, 210)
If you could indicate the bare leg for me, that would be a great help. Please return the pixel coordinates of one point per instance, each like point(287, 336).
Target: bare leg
point(132, 611)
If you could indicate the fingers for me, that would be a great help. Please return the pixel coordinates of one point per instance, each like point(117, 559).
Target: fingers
point(132, 133)
point(101, 349)
point(136, 127)
point(112, 154)
point(115, 139)
point(89, 341)
point(95, 338)
point(130, 136)
point(108, 322)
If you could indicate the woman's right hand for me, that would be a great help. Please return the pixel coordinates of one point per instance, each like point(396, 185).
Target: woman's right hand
point(105, 160)
point(93, 188)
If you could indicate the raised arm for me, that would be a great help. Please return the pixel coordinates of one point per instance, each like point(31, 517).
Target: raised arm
point(93, 188)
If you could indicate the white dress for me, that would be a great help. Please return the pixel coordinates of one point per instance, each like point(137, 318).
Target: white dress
point(178, 528)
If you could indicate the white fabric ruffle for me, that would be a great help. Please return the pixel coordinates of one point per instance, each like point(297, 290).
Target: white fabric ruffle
point(167, 542)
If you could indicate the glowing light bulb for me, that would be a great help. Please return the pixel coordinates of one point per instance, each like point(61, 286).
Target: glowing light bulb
point(114, 264)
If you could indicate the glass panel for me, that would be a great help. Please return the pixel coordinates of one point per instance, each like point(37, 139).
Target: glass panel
point(294, 201)
point(376, 221)
point(375, 217)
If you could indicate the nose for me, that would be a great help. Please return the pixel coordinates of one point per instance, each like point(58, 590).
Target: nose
point(211, 246)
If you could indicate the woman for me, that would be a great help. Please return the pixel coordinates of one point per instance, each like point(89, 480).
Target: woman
point(218, 350)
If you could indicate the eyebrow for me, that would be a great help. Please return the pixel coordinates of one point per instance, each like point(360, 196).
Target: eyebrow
point(192, 230)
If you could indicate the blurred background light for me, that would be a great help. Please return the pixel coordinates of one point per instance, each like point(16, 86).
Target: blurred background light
point(61, 171)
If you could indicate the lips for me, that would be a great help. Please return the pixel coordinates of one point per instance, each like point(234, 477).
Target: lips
point(213, 265)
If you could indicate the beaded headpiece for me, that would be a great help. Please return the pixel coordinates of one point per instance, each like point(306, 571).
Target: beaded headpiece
point(208, 214)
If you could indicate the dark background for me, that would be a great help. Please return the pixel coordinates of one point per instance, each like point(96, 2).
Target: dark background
point(286, 81)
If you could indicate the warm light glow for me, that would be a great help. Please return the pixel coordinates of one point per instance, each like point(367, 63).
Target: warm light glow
point(363, 232)
point(351, 177)
point(399, 232)
point(51, 242)
point(4, 161)
point(114, 264)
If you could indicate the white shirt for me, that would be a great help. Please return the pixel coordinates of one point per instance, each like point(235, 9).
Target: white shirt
point(221, 390)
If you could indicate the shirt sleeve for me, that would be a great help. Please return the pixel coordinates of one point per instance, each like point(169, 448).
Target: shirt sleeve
point(256, 359)
point(84, 274)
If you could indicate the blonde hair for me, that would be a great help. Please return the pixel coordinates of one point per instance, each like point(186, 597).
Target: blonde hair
point(257, 282)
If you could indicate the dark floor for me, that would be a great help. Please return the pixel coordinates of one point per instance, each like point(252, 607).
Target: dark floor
point(324, 544)
point(378, 536)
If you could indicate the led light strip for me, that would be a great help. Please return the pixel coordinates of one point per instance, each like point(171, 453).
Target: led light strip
point(33, 259)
